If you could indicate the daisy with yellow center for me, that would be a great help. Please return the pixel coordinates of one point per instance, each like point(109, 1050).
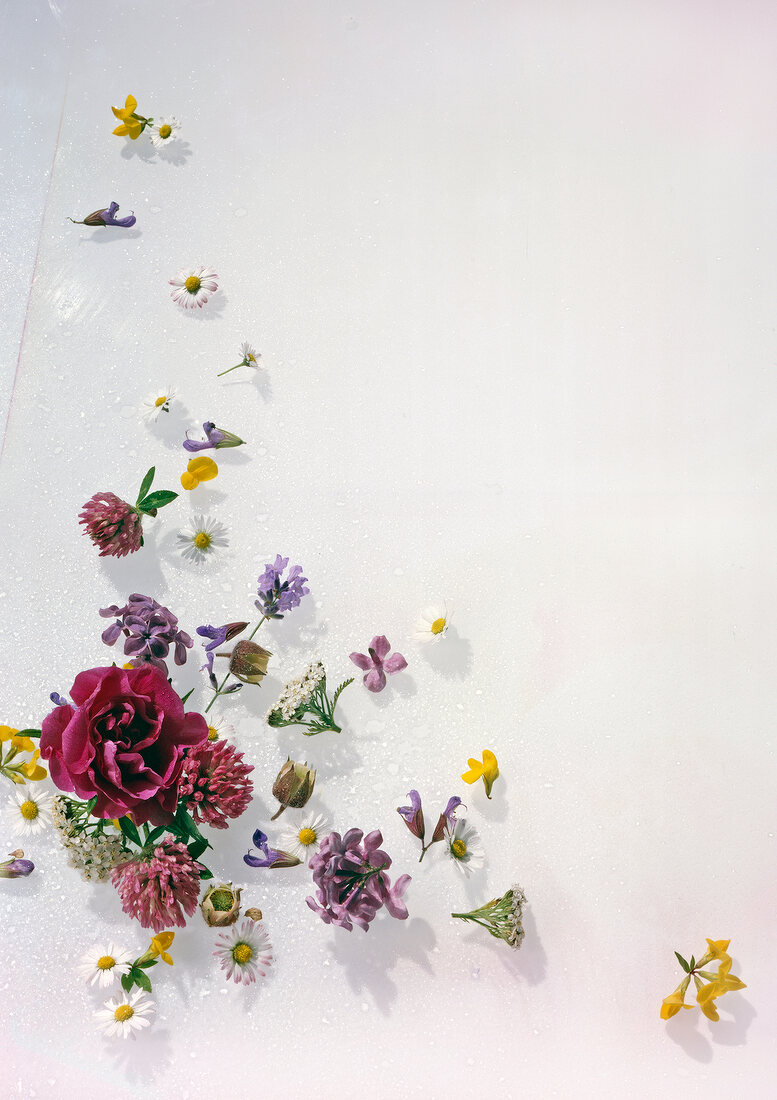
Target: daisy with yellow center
point(158, 403)
point(198, 469)
point(202, 538)
point(125, 1017)
point(304, 840)
point(219, 728)
point(29, 811)
point(104, 964)
point(244, 951)
point(464, 848)
point(434, 622)
point(193, 286)
point(165, 131)
point(249, 358)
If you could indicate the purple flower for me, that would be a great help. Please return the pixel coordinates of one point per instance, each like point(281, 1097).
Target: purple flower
point(218, 635)
point(375, 666)
point(217, 437)
point(16, 867)
point(58, 700)
point(149, 631)
point(270, 857)
point(105, 217)
point(277, 597)
point(446, 818)
point(352, 881)
point(413, 815)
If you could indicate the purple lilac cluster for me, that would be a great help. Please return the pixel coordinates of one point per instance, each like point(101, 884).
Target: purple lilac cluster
point(149, 631)
point(276, 596)
point(352, 881)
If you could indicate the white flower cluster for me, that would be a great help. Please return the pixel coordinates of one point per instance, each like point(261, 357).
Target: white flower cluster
point(92, 856)
point(515, 937)
point(298, 692)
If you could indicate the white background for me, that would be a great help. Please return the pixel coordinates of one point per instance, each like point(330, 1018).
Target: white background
point(510, 267)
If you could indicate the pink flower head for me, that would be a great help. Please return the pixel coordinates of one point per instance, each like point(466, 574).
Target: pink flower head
point(378, 664)
point(158, 888)
point(352, 881)
point(122, 741)
point(215, 781)
point(112, 524)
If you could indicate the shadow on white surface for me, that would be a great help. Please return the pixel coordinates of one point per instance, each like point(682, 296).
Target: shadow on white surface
point(529, 963)
point(107, 235)
point(683, 1029)
point(452, 657)
point(367, 966)
point(256, 377)
point(141, 1062)
point(212, 309)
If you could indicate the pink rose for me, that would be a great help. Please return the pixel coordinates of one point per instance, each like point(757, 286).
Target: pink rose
point(124, 742)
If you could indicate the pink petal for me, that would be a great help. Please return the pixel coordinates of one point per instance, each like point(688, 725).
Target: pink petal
point(361, 660)
point(380, 644)
point(395, 663)
point(375, 680)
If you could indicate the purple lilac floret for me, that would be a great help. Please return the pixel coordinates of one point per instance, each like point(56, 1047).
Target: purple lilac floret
point(352, 881)
point(270, 857)
point(376, 663)
point(276, 596)
point(149, 631)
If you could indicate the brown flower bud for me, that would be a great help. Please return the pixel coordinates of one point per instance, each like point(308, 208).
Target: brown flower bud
point(293, 786)
point(253, 914)
point(248, 662)
point(221, 905)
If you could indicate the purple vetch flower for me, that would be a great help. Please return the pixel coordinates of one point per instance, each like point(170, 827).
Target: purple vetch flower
point(106, 217)
point(270, 857)
point(352, 881)
point(376, 665)
point(277, 597)
point(413, 815)
point(149, 630)
point(217, 437)
point(218, 635)
point(16, 867)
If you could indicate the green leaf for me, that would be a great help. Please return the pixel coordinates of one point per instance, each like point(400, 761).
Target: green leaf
point(142, 980)
point(339, 691)
point(197, 847)
point(186, 825)
point(145, 485)
point(692, 962)
point(28, 733)
point(155, 834)
point(129, 829)
point(205, 873)
point(127, 981)
point(186, 696)
point(156, 500)
point(145, 965)
point(91, 804)
point(682, 962)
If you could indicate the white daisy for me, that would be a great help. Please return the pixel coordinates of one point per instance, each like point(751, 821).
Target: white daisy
point(158, 402)
point(193, 286)
point(243, 950)
point(29, 811)
point(126, 1016)
point(219, 728)
point(305, 841)
point(249, 355)
point(166, 129)
point(202, 538)
point(464, 848)
point(101, 965)
point(433, 623)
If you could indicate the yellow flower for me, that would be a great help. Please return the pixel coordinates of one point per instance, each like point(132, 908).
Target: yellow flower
point(160, 944)
point(32, 769)
point(672, 1004)
point(199, 469)
point(6, 733)
point(487, 771)
point(717, 950)
point(724, 983)
point(23, 744)
point(129, 123)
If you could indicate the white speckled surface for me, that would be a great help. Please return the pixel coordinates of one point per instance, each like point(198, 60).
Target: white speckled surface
point(511, 271)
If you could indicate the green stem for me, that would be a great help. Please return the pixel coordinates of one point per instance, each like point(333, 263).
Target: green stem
point(223, 682)
point(231, 368)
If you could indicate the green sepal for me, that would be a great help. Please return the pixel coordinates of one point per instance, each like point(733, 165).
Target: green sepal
point(28, 733)
point(692, 962)
point(145, 484)
point(683, 963)
point(145, 965)
point(156, 500)
point(130, 830)
point(186, 696)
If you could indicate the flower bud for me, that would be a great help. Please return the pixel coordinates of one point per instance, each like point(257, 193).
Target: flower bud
point(248, 662)
point(293, 786)
point(16, 867)
point(253, 914)
point(221, 905)
point(227, 439)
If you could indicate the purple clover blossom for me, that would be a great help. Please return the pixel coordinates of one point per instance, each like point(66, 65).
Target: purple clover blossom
point(149, 631)
point(218, 635)
point(217, 437)
point(270, 857)
point(352, 881)
point(375, 663)
point(277, 597)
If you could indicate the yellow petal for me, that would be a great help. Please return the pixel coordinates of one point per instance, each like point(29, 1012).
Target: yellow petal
point(473, 775)
point(489, 762)
point(130, 104)
point(709, 1010)
point(134, 128)
point(204, 469)
point(120, 131)
point(6, 733)
point(189, 481)
point(718, 948)
point(119, 112)
point(24, 744)
point(34, 772)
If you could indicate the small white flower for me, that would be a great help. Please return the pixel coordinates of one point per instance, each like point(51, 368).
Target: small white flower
point(219, 728)
point(29, 811)
point(243, 951)
point(305, 841)
point(464, 848)
point(126, 1016)
point(202, 538)
point(158, 402)
point(163, 131)
point(101, 965)
point(433, 623)
point(249, 355)
point(193, 286)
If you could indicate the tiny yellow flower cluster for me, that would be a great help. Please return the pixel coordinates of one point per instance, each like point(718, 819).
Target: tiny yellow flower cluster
point(199, 469)
point(19, 771)
point(709, 985)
